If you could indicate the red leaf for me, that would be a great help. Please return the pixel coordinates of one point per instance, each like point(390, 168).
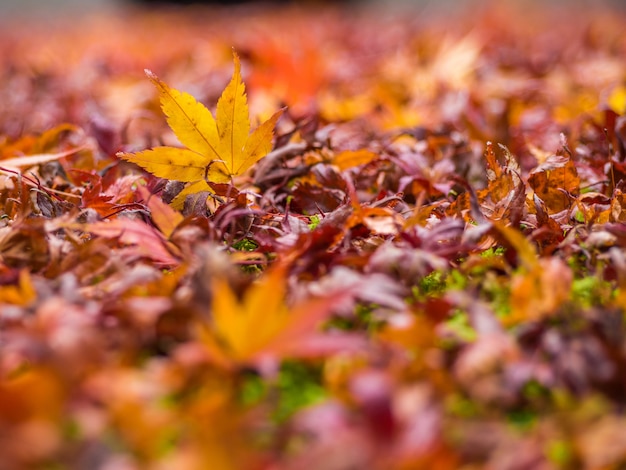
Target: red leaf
point(145, 241)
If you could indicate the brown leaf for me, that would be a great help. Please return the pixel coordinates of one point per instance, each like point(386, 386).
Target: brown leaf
point(556, 182)
point(505, 195)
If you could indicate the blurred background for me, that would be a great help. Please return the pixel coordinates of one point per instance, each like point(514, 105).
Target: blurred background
point(69, 7)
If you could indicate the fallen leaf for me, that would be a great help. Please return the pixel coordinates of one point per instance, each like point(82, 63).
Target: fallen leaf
point(541, 291)
point(556, 182)
point(164, 217)
point(351, 158)
point(261, 327)
point(216, 149)
point(31, 160)
point(145, 240)
point(21, 293)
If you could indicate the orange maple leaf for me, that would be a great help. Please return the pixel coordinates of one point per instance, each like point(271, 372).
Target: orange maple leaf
point(261, 325)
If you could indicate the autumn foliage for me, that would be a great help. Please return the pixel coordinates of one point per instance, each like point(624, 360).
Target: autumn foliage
point(314, 238)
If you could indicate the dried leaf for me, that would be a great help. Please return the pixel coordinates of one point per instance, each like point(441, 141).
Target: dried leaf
point(22, 293)
point(164, 217)
point(351, 158)
point(540, 292)
point(31, 160)
point(556, 182)
point(146, 241)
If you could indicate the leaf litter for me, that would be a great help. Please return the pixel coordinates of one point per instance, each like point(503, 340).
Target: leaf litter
point(417, 263)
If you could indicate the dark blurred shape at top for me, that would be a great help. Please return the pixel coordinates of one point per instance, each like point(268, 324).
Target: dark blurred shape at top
point(231, 2)
point(194, 2)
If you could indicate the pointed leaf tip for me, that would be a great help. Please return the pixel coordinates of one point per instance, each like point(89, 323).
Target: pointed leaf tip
point(237, 62)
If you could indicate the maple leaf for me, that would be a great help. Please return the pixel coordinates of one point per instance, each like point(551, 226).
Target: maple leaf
point(262, 327)
point(21, 292)
point(216, 148)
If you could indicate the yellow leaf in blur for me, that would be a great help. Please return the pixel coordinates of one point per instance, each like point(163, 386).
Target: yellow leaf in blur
point(351, 158)
point(456, 61)
point(35, 393)
point(617, 100)
point(260, 325)
point(541, 291)
point(526, 252)
point(220, 445)
point(21, 294)
point(216, 149)
point(585, 102)
point(242, 328)
point(399, 116)
point(342, 108)
point(412, 332)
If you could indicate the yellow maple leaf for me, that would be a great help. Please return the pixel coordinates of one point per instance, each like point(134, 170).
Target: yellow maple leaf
point(539, 292)
point(216, 148)
point(617, 100)
point(261, 325)
point(246, 327)
point(21, 294)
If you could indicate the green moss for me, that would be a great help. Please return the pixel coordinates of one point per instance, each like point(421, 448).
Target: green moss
point(493, 252)
point(533, 391)
point(497, 292)
point(579, 216)
point(437, 283)
point(314, 221)
point(559, 452)
point(461, 407)
point(432, 284)
point(456, 280)
point(253, 269)
point(458, 324)
point(168, 441)
point(298, 385)
point(362, 320)
point(340, 323)
point(252, 389)
point(522, 420)
point(591, 291)
point(245, 244)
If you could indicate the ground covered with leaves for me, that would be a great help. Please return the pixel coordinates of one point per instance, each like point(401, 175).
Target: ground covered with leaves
point(422, 267)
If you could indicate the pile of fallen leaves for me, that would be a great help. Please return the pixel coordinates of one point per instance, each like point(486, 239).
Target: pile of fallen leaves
point(314, 238)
